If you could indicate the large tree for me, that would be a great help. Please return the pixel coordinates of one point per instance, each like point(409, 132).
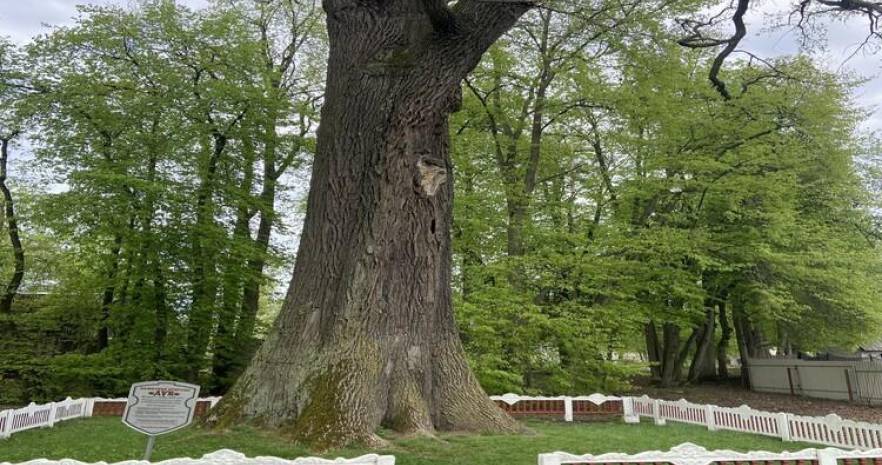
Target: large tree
point(367, 335)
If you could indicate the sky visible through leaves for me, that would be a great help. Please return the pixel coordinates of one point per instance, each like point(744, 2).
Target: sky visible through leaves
point(842, 52)
point(23, 19)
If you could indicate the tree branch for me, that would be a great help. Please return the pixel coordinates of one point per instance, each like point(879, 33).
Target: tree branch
point(697, 40)
point(441, 17)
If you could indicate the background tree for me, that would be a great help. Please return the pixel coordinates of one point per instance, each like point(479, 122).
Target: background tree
point(10, 93)
point(163, 137)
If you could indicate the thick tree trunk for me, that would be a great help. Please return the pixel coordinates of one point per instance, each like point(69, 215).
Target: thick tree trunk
point(366, 336)
point(18, 254)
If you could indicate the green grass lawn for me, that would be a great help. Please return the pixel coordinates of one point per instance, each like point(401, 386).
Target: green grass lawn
point(107, 439)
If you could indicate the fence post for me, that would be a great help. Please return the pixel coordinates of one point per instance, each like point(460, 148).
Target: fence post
point(7, 423)
point(29, 412)
point(549, 459)
point(90, 404)
point(656, 413)
point(709, 418)
point(68, 406)
point(60, 410)
point(826, 457)
point(568, 409)
point(51, 414)
point(628, 410)
point(784, 426)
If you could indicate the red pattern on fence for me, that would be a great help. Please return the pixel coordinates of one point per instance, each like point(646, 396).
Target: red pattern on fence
point(533, 407)
point(586, 407)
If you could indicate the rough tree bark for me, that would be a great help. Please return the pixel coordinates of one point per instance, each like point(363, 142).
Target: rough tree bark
point(366, 336)
point(12, 226)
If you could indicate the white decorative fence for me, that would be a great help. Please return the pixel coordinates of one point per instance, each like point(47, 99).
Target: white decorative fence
point(42, 415)
point(46, 415)
point(563, 406)
point(852, 380)
point(829, 430)
point(690, 454)
point(229, 457)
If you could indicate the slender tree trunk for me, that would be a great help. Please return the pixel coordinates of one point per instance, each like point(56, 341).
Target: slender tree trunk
point(109, 292)
point(683, 355)
point(18, 254)
point(471, 258)
point(742, 333)
point(653, 350)
point(162, 314)
point(203, 295)
point(244, 335)
point(519, 175)
point(670, 369)
point(367, 336)
point(723, 346)
point(224, 348)
point(602, 162)
point(704, 348)
point(152, 270)
point(244, 343)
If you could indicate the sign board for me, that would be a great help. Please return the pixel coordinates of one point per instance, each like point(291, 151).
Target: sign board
point(158, 407)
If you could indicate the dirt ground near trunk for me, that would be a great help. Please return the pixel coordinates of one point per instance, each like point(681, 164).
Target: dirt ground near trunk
point(731, 395)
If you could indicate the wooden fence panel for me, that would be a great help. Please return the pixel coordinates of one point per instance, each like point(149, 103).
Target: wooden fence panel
point(852, 380)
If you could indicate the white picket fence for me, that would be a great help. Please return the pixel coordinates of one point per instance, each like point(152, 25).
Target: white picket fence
point(46, 415)
point(830, 430)
point(42, 415)
point(690, 454)
point(230, 457)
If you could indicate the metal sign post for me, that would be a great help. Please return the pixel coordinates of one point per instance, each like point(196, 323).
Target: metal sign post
point(151, 441)
point(159, 407)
